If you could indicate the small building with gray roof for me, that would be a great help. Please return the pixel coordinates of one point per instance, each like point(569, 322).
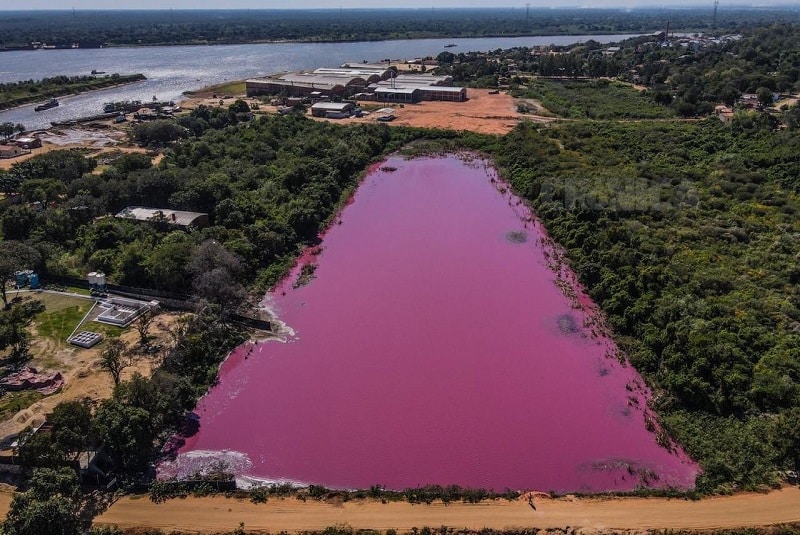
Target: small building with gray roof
point(164, 215)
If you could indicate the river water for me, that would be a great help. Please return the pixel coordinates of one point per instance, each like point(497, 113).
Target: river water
point(173, 70)
point(440, 341)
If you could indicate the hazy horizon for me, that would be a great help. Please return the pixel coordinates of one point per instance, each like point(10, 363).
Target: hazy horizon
point(102, 5)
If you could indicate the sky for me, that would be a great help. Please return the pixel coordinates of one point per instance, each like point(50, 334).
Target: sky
point(334, 4)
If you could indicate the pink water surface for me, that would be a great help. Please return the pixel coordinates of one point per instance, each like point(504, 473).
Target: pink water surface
point(433, 347)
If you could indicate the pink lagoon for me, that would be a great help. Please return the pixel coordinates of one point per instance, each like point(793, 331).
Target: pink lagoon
point(439, 340)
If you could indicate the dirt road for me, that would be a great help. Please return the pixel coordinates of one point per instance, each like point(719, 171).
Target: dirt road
point(198, 515)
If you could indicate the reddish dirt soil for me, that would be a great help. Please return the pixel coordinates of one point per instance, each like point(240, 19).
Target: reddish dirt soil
point(594, 515)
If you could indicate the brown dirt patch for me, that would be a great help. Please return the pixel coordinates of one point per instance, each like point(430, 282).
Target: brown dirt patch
point(203, 515)
point(484, 113)
point(83, 376)
point(48, 146)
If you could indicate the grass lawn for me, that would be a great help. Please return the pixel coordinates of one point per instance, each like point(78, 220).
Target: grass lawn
point(13, 402)
point(61, 315)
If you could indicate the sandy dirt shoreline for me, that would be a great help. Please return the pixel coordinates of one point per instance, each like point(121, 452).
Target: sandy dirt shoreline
point(204, 515)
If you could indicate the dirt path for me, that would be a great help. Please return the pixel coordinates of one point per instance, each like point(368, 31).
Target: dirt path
point(593, 514)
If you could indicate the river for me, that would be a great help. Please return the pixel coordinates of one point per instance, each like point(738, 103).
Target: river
point(171, 70)
point(435, 344)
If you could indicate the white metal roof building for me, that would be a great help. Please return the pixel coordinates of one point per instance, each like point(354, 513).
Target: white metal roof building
point(350, 79)
point(324, 109)
point(174, 217)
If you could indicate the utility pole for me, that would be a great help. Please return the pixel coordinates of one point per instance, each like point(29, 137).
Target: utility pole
point(714, 22)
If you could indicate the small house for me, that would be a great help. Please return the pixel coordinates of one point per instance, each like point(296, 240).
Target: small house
point(11, 151)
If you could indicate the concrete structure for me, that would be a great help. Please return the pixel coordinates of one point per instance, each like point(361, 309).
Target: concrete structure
point(28, 142)
point(333, 110)
point(86, 339)
point(12, 151)
point(724, 113)
point(174, 217)
point(121, 312)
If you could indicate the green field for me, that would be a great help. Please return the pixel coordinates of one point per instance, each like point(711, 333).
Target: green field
point(593, 99)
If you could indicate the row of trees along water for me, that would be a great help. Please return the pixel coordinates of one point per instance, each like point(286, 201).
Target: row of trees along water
point(102, 28)
point(26, 91)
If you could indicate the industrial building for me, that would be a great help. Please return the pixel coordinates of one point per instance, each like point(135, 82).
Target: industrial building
point(362, 81)
point(332, 110)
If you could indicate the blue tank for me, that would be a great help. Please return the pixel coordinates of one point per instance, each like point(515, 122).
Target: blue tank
point(34, 281)
point(21, 278)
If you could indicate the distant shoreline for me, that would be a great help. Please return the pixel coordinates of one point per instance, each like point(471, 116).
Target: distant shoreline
point(129, 79)
point(332, 41)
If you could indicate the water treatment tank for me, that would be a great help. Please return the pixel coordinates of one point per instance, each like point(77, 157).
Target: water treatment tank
point(92, 278)
point(21, 278)
point(100, 277)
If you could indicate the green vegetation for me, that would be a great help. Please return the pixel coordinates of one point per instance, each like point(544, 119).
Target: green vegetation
point(60, 316)
point(161, 491)
point(684, 234)
point(593, 99)
point(13, 402)
point(113, 28)
point(19, 93)
point(689, 77)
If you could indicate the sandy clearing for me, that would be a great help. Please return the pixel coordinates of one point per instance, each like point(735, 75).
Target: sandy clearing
point(49, 147)
point(484, 113)
point(218, 513)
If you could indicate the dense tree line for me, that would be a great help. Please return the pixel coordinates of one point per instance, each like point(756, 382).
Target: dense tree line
point(686, 235)
point(25, 91)
point(102, 28)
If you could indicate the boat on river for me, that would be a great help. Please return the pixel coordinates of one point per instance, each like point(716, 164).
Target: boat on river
point(129, 106)
point(47, 105)
point(124, 106)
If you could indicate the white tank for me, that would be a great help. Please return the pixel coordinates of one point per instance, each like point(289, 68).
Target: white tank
point(92, 277)
point(101, 278)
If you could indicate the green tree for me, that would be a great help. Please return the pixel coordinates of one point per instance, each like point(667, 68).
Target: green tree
point(113, 359)
point(72, 427)
point(127, 433)
point(15, 256)
point(51, 505)
point(764, 95)
point(14, 323)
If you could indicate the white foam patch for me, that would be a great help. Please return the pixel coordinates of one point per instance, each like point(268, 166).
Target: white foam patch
point(245, 482)
point(204, 463)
